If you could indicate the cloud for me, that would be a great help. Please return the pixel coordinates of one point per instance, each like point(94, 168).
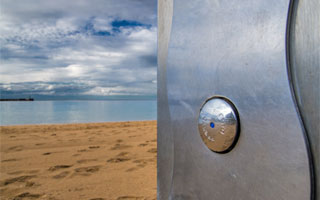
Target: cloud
point(79, 48)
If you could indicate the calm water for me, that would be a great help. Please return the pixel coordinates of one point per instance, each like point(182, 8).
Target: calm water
point(52, 112)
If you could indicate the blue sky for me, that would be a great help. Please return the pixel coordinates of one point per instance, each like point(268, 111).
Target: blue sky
point(78, 49)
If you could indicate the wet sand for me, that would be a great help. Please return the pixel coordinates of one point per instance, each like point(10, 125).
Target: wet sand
point(92, 161)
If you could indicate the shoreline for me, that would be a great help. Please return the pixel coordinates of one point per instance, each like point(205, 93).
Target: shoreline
point(76, 123)
point(104, 160)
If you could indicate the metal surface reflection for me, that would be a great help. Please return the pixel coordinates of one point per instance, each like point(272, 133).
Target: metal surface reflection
point(304, 71)
point(218, 125)
point(234, 49)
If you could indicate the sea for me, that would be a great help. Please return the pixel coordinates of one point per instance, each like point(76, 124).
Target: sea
point(82, 111)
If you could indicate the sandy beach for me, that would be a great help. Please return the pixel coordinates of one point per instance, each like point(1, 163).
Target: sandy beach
point(93, 161)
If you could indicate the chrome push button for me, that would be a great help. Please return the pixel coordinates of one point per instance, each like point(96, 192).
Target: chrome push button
point(219, 124)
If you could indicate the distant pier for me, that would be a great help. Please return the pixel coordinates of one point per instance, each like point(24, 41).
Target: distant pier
point(28, 99)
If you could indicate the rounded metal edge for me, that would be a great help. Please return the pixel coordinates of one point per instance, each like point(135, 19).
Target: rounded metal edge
point(291, 18)
point(165, 138)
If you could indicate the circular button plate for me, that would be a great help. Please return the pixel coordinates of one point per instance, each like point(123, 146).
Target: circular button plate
point(219, 124)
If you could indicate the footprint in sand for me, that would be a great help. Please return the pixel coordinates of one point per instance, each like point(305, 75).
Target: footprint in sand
point(57, 167)
point(49, 153)
point(31, 184)
point(123, 154)
point(16, 148)
point(17, 179)
point(86, 161)
point(9, 160)
point(61, 175)
point(15, 172)
point(121, 157)
point(153, 150)
point(130, 198)
point(118, 160)
point(94, 147)
point(131, 169)
point(140, 163)
point(143, 162)
point(119, 146)
point(83, 150)
point(27, 195)
point(97, 199)
point(86, 171)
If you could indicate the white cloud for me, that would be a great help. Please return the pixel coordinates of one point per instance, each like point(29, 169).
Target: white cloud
point(61, 41)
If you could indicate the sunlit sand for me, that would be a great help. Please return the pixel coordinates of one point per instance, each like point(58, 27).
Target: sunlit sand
point(79, 161)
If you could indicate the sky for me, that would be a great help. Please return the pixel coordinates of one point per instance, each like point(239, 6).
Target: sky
point(84, 49)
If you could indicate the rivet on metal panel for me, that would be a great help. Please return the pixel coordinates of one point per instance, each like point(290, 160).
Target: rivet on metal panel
point(219, 124)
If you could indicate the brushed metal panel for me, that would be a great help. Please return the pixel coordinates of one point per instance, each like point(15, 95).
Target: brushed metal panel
point(304, 46)
point(237, 50)
point(165, 135)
